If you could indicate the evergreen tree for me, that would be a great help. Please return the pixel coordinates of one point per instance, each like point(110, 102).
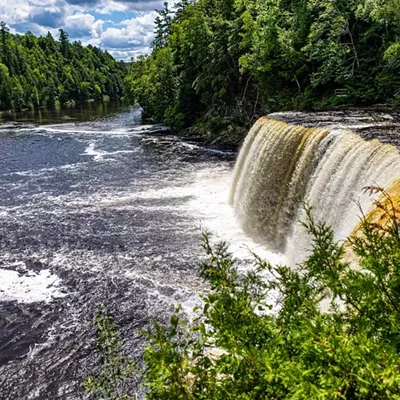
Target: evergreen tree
point(37, 71)
point(163, 27)
point(64, 43)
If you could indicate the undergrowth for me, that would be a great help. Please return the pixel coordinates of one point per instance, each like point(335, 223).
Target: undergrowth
point(248, 345)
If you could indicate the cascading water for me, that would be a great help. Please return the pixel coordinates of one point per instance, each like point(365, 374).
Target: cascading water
point(105, 212)
point(281, 166)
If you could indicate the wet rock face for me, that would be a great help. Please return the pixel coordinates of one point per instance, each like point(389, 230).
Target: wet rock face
point(384, 126)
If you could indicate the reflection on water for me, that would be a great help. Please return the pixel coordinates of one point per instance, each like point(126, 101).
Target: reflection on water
point(75, 113)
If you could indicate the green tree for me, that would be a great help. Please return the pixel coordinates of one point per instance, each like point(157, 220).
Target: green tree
point(236, 60)
point(163, 27)
point(5, 88)
point(42, 71)
point(115, 368)
point(64, 42)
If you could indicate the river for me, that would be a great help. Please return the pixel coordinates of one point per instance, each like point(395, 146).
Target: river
point(96, 208)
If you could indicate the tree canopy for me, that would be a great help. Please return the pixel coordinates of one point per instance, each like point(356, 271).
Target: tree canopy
point(37, 71)
point(227, 62)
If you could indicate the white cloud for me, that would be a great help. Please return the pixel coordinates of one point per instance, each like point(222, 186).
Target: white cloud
point(126, 30)
point(136, 35)
point(17, 11)
point(97, 29)
point(83, 25)
point(128, 54)
point(109, 6)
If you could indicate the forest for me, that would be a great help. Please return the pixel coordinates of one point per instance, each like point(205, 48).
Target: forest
point(220, 64)
point(42, 71)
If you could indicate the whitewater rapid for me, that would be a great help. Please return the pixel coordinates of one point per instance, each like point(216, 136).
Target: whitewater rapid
point(101, 212)
point(109, 212)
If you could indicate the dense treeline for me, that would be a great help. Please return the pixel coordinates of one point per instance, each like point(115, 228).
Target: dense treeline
point(222, 63)
point(40, 71)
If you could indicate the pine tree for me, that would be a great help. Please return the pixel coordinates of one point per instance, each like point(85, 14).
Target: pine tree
point(163, 27)
point(64, 42)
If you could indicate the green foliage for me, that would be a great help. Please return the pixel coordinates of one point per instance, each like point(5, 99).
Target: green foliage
point(323, 331)
point(239, 59)
point(115, 368)
point(37, 71)
point(151, 84)
point(163, 27)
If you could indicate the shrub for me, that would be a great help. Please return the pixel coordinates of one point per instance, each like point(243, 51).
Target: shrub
point(324, 331)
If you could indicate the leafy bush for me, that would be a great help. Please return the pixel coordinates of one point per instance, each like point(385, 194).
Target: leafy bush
point(116, 369)
point(324, 331)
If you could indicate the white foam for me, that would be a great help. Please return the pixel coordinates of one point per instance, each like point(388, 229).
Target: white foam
point(205, 200)
point(41, 171)
point(207, 204)
point(99, 155)
point(74, 129)
point(210, 206)
point(91, 151)
point(31, 287)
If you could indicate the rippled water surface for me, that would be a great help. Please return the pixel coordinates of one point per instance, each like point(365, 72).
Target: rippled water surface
point(105, 210)
point(99, 212)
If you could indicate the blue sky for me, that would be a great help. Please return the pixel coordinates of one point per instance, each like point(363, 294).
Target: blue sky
point(123, 27)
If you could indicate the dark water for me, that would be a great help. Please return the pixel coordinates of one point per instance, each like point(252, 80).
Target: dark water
point(75, 113)
point(95, 211)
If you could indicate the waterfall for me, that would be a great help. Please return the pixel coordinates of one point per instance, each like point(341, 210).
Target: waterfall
point(281, 166)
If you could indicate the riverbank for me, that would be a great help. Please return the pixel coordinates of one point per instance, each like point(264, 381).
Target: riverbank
point(370, 122)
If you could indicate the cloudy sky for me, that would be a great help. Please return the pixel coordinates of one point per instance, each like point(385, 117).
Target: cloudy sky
point(123, 27)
